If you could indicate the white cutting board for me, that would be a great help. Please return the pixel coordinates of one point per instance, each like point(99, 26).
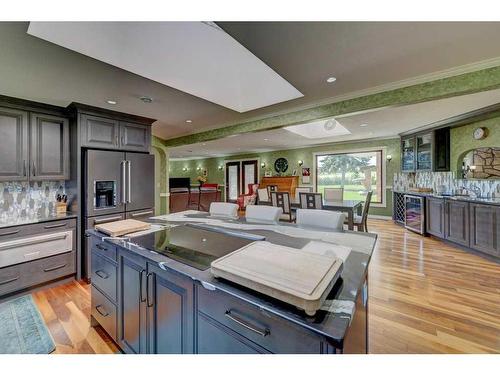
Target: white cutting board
point(296, 276)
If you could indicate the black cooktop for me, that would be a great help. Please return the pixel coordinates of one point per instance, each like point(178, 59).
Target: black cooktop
point(194, 246)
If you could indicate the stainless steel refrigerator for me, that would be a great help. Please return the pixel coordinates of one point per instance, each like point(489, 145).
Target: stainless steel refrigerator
point(117, 185)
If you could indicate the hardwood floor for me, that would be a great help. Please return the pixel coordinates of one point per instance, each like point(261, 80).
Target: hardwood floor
point(425, 297)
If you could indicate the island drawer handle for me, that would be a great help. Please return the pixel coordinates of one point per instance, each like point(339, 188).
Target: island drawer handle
point(142, 213)
point(98, 308)
point(101, 247)
point(246, 324)
point(55, 225)
point(9, 280)
point(107, 220)
point(55, 267)
point(9, 233)
point(102, 274)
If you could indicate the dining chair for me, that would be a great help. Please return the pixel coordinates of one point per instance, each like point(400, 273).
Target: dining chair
point(223, 209)
point(301, 190)
point(271, 188)
point(312, 201)
point(334, 194)
point(263, 214)
point(282, 200)
point(361, 222)
point(321, 219)
point(262, 196)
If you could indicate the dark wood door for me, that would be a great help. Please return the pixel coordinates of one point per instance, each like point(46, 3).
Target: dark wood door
point(485, 228)
point(132, 313)
point(170, 312)
point(135, 137)
point(49, 159)
point(248, 174)
point(233, 181)
point(457, 222)
point(435, 216)
point(13, 145)
point(99, 132)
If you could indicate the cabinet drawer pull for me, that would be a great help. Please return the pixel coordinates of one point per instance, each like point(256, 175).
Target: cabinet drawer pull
point(9, 233)
point(101, 247)
point(107, 220)
point(246, 324)
point(102, 312)
point(55, 225)
point(55, 267)
point(142, 213)
point(102, 274)
point(8, 280)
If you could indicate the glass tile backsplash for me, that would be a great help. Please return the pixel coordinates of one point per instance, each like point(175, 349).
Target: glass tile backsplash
point(28, 199)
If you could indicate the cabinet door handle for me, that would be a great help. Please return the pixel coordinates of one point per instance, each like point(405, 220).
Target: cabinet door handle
point(150, 301)
point(55, 267)
point(247, 325)
point(102, 274)
point(55, 226)
point(9, 233)
point(8, 280)
point(141, 298)
point(102, 312)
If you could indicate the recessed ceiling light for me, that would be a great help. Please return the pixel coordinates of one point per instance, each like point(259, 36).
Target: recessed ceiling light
point(203, 144)
point(146, 99)
point(113, 102)
point(331, 79)
point(266, 139)
point(189, 121)
point(363, 125)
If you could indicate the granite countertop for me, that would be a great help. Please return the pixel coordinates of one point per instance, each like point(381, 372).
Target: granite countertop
point(13, 222)
point(331, 321)
point(492, 201)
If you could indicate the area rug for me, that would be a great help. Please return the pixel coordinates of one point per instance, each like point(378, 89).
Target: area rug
point(22, 330)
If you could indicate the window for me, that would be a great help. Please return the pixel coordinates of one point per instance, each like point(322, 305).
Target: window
point(357, 172)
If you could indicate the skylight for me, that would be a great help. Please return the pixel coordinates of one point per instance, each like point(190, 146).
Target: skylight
point(319, 129)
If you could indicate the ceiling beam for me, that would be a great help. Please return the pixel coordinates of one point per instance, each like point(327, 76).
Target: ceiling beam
point(467, 83)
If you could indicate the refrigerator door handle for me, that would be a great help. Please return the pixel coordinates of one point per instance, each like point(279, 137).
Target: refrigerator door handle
point(123, 177)
point(129, 184)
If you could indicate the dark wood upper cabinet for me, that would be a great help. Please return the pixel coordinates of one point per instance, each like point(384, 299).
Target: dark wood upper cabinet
point(457, 222)
point(13, 145)
point(426, 151)
point(135, 137)
point(49, 159)
point(435, 217)
point(99, 132)
point(485, 228)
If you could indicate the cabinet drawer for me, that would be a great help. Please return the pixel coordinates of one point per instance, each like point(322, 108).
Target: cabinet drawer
point(104, 311)
point(104, 249)
point(47, 269)
point(104, 275)
point(270, 332)
point(10, 279)
point(29, 229)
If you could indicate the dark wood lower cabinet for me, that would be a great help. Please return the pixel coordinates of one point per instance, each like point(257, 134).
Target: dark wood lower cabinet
point(435, 222)
point(485, 228)
point(457, 222)
point(170, 312)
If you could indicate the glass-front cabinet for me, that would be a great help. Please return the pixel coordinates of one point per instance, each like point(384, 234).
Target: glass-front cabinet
point(408, 154)
point(424, 152)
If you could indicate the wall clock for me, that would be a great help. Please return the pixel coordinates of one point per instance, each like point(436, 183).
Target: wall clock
point(479, 133)
point(281, 165)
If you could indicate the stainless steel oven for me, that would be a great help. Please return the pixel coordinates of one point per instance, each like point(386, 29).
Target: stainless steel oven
point(415, 213)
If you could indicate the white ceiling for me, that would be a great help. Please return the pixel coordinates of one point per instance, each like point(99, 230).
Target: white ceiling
point(388, 122)
point(362, 55)
point(198, 58)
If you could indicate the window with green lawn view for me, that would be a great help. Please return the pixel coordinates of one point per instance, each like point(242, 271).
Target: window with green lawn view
point(356, 172)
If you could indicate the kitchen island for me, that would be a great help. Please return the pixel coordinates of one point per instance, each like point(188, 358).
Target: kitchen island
point(152, 297)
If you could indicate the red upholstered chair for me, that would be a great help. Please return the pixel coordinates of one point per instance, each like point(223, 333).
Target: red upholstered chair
point(247, 199)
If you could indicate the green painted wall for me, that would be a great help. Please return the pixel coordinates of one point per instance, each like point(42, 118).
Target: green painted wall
point(293, 156)
point(462, 141)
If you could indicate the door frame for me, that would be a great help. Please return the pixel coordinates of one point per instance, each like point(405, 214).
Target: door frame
point(226, 172)
point(240, 174)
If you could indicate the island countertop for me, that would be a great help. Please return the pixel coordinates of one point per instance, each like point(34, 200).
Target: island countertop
point(331, 321)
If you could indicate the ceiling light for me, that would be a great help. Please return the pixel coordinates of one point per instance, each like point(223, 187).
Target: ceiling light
point(189, 121)
point(203, 144)
point(146, 99)
point(363, 125)
point(113, 102)
point(330, 124)
point(331, 79)
point(266, 139)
